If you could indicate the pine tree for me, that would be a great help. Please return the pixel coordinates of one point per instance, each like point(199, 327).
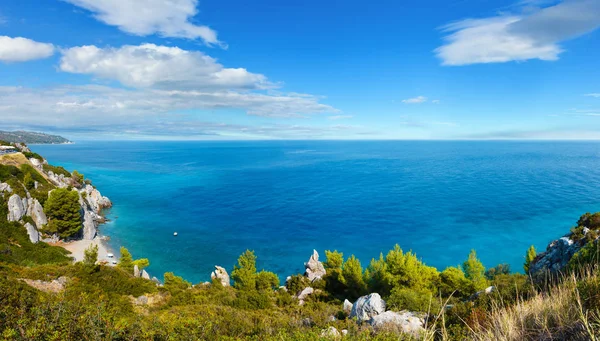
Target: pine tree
point(529, 257)
point(126, 261)
point(244, 274)
point(63, 212)
point(475, 272)
point(91, 255)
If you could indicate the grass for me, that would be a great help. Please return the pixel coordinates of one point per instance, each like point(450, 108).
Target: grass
point(16, 159)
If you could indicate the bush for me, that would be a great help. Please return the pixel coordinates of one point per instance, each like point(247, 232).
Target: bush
point(56, 170)
point(63, 212)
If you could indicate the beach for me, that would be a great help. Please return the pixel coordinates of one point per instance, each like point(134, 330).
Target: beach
point(78, 247)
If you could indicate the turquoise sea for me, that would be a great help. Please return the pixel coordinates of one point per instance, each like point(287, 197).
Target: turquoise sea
point(284, 198)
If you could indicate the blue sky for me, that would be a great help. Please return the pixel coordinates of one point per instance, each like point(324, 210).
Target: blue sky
point(230, 69)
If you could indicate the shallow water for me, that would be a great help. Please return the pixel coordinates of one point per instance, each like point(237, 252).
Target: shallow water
point(284, 198)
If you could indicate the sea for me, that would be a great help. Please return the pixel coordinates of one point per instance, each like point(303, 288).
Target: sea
point(282, 199)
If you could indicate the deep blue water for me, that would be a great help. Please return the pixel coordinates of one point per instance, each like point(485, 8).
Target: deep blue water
point(283, 198)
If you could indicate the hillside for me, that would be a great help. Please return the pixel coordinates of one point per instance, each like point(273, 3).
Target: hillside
point(31, 137)
point(47, 293)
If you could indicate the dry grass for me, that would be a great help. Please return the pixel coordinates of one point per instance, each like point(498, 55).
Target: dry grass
point(16, 159)
point(558, 314)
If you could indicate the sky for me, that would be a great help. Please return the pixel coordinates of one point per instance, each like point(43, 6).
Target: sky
point(231, 69)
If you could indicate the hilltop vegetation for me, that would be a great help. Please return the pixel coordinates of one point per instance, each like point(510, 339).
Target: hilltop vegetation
point(29, 137)
point(45, 296)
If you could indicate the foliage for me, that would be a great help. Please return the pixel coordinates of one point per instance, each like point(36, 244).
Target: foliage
point(58, 170)
point(77, 177)
point(63, 212)
point(15, 247)
point(141, 263)
point(31, 155)
point(454, 283)
point(296, 284)
point(91, 255)
point(126, 260)
point(500, 269)
point(529, 257)
point(266, 280)
point(174, 283)
point(475, 272)
point(28, 181)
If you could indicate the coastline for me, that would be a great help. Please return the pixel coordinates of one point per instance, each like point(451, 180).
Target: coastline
point(78, 247)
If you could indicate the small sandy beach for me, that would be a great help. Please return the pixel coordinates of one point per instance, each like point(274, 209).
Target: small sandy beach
point(78, 247)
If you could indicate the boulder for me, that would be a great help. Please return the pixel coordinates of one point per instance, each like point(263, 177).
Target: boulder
point(555, 258)
point(347, 307)
point(330, 333)
point(145, 275)
point(96, 201)
point(156, 280)
point(36, 212)
point(404, 321)
point(485, 291)
point(314, 269)
point(366, 307)
point(4, 187)
point(36, 163)
point(221, 275)
point(34, 235)
point(17, 207)
point(90, 225)
point(136, 271)
point(302, 295)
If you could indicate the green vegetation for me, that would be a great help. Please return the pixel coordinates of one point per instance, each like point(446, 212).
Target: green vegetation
point(30, 137)
point(529, 257)
point(31, 155)
point(63, 212)
point(56, 170)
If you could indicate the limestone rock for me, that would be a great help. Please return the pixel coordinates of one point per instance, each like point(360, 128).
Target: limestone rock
point(302, 295)
point(156, 280)
point(555, 258)
point(404, 321)
point(330, 333)
point(485, 291)
point(36, 163)
point(59, 180)
point(145, 275)
point(36, 212)
point(90, 225)
point(17, 207)
point(4, 187)
point(347, 307)
point(344, 332)
point(54, 286)
point(34, 235)
point(96, 201)
point(314, 269)
point(366, 307)
point(142, 300)
point(220, 274)
point(136, 271)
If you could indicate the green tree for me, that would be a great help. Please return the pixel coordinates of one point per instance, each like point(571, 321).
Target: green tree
point(142, 263)
point(91, 255)
point(77, 177)
point(377, 276)
point(266, 280)
point(453, 282)
point(175, 283)
point(63, 212)
point(28, 181)
point(529, 257)
point(126, 261)
point(352, 275)
point(244, 273)
point(334, 279)
point(475, 272)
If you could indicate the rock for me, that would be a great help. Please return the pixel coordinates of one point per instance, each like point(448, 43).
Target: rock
point(314, 269)
point(307, 322)
point(344, 332)
point(58, 179)
point(145, 275)
point(34, 235)
point(96, 201)
point(366, 307)
point(555, 258)
point(17, 207)
point(142, 300)
point(54, 286)
point(36, 163)
point(136, 271)
point(36, 212)
point(221, 275)
point(4, 187)
point(156, 280)
point(485, 291)
point(331, 318)
point(347, 307)
point(330, 333)
point(302, 295)
point(90, 226)
point(404, 321)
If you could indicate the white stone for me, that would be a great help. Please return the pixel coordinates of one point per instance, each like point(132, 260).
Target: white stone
point(34, 235)
point(145, 275)
point(220, 274)
point(36, 212)
point(314, 269)
point(405, 321)
point(136, 271)
point(330, 333)
point(16, 209)
point(366, 307)
point(347, 307)
point(4, 187)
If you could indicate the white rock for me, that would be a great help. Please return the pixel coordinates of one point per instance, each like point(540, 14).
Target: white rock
point(347, 307)
point(4, 187)
point(89, 225)
point(304, 293)
point(136, 271)
point(145, 275)
point(314, 269)
point(36, 163)
point(330, 333)
point(36, 212)
point(344, 332)
point(366, 307)
point(221, 274)
point(404, 321)
point(34, 235)
point(16, 209)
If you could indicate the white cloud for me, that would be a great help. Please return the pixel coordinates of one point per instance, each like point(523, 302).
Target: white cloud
point(435, 101)
point(22, 49)
point(149, 65)
point(168, 18)
point(415, 100)
point(518, 37)
point(596, 95)
point(339, 117)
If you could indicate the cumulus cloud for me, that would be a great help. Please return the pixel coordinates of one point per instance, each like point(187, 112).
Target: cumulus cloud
point(168, 18)
point(415, 100)
point(149, 65)
point(518, 37)
point(22, 49)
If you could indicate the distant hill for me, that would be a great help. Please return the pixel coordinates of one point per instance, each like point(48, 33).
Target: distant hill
point(31, 137)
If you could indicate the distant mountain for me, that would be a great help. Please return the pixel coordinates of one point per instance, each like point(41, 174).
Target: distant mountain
point(31, 137)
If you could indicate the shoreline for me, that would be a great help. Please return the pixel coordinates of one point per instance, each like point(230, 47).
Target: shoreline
point(78, 247)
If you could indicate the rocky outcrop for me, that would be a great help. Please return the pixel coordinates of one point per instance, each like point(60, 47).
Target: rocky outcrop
point(36, 212)
point(95, 200)
point(17, 207)
point(555, 258)
point(53, 286)
point(331, 333)
point(136, 271)
point(221, 275)
point(404, 321)
point(36, 163)
point(59, 180)
point(314, 269)
point(366, 307)
point(303, 295)
point(34, 235)
point(4, 187)
point(485, 291)
point(90, 225)
point(145, 275)
point(347, 307)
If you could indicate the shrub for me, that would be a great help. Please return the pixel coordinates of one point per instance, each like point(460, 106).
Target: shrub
point(475, 272)
point(244, 273)
point(58, 170)
point(63, 212)
point(529, 257)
